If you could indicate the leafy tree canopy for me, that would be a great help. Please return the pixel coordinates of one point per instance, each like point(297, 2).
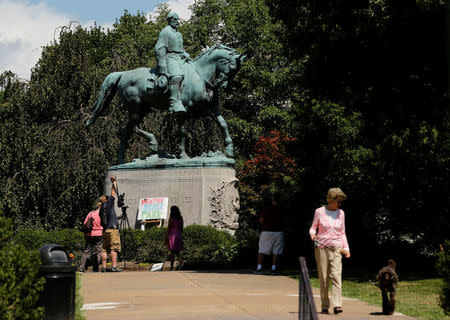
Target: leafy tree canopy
point(360, 85)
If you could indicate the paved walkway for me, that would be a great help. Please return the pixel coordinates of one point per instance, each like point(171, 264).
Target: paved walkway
point(213, 295)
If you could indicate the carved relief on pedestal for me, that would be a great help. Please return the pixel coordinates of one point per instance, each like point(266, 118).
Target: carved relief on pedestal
point(224, 204)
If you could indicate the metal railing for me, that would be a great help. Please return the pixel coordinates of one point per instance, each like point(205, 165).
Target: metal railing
point(306, 307)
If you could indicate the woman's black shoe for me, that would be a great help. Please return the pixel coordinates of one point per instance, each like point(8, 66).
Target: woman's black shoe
point(325, 311)
point(337, 310)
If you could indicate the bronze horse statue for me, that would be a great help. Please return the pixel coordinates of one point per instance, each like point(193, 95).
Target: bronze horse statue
point(139, 92)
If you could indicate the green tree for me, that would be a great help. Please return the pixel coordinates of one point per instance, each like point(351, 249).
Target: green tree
point(382, 65)
point(260, 90)
point(362, 89)
point(44, 143)
point(43, 140)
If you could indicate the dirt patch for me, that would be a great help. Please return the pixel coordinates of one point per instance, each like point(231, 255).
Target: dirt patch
point(133, 266)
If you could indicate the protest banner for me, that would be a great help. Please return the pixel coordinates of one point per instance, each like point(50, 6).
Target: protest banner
point(153, 208)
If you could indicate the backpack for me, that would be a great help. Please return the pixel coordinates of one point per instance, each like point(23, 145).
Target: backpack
point(87, 226)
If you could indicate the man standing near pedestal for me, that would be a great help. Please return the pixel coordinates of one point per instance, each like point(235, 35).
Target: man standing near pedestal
point(110, 223)
point(170, 56)
point(271, 240)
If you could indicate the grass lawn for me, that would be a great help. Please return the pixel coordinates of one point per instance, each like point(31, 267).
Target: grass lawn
point(78, 299)
point(417, 296)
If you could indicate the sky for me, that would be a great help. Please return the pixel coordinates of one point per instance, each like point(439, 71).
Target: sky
point(27, 25)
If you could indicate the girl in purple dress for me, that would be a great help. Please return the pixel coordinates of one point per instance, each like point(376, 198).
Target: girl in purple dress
point(174, 236)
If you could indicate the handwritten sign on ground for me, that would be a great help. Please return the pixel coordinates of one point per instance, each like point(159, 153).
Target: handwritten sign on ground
point(153, 208)
point(157, 266)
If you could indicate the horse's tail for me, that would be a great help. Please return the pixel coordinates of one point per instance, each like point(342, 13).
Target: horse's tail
point(106, 94)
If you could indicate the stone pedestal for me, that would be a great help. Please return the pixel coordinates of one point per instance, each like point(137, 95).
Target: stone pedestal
point(205, 195)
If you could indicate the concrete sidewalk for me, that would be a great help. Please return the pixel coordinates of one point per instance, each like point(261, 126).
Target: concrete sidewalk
point(213, 295)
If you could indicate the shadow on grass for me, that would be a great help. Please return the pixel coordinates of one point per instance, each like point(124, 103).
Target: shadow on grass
point(377, 314)
point(360, 275)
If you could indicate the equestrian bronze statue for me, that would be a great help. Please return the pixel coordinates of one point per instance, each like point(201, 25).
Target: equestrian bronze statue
point(182, 86)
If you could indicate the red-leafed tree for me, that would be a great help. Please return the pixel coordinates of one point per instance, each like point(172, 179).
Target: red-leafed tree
point(272, 170)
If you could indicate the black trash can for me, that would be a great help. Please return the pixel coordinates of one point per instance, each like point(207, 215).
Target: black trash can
point(58, 297)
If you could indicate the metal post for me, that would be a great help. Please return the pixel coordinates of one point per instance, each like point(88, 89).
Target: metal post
point(306, 307)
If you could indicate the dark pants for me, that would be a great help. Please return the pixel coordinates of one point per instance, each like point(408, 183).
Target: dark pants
point(93, 252)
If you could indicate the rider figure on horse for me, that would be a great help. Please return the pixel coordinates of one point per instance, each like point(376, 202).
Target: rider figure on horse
point(170, 56)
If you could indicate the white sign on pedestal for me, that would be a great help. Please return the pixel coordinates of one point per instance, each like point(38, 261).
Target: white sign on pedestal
point(153, 208)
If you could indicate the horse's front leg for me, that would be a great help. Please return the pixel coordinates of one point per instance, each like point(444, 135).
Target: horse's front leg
point(153, 143)
point(229, 149)
point(124, 137)
point(182, 132)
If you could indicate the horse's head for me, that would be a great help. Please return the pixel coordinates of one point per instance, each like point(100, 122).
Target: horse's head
point(227, 63)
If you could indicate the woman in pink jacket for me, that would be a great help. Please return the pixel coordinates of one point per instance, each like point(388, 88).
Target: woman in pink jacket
point(328, 233)
point(93, 246)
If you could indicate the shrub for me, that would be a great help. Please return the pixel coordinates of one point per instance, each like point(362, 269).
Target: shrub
point(204, 246)
point(20, 284)
point(144, 246)
point(247, 239)
point(443, 266)
point(71, 239)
